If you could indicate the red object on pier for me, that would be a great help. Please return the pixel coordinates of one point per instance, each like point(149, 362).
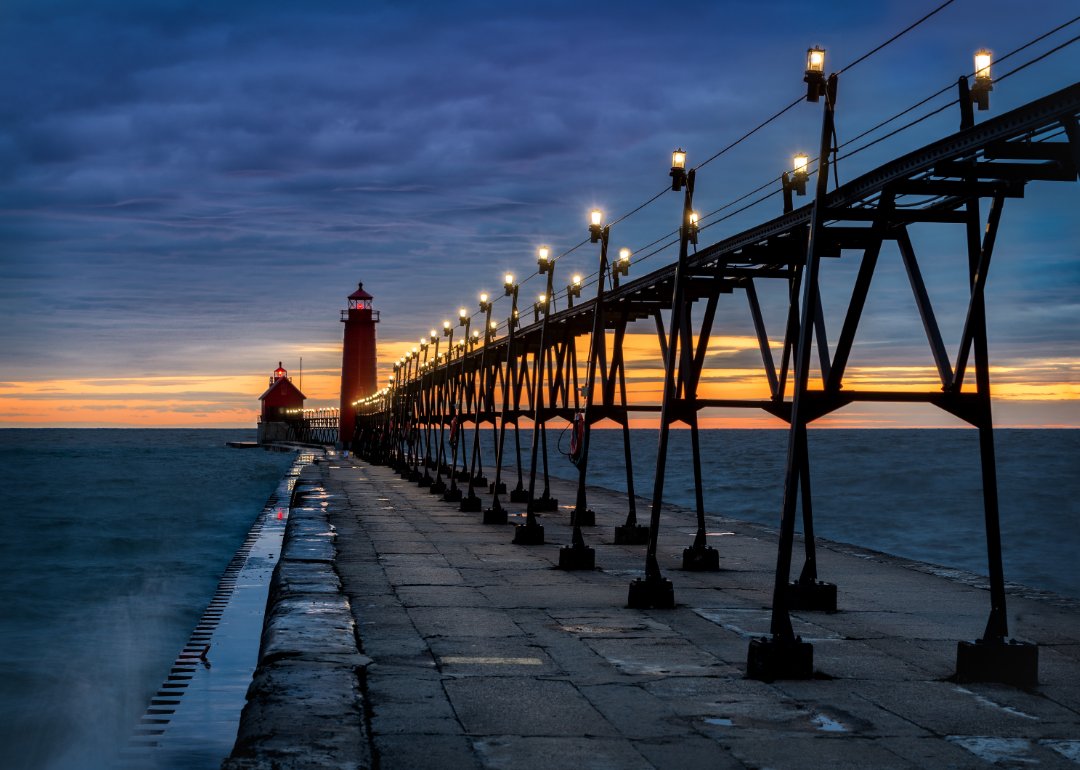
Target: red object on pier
point(280, 397)
point(358, 365)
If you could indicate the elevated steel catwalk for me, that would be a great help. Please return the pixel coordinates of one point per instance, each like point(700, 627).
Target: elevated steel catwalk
point(535, 367)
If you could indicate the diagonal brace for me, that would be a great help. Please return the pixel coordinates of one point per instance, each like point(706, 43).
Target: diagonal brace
point(926, 311)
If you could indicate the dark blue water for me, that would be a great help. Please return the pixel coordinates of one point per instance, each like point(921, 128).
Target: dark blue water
point(114, 540)
point(913, 493)
point(113, 543)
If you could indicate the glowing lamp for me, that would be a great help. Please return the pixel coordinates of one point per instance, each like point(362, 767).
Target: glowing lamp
point(692, 230)
point(574, 289)
point(678, 170)
point(815, 73)
point(622, 266)
point(800, 176)
point(984, 84)
point(446, 330)
point(542, 261)
point(508, 285)
point(484, 304)
point(594, 227)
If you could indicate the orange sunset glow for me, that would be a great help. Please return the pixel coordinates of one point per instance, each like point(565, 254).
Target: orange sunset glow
point(1028, 394)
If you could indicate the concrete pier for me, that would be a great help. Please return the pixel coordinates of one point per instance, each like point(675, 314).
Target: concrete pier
point(402, 633)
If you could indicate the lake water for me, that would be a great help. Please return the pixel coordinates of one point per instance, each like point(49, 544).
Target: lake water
point(913, 493)
point(114, 541)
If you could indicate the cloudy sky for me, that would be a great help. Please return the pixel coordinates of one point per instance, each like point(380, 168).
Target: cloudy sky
point(189, 190)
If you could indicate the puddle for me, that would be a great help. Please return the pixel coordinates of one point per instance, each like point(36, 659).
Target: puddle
point(996, 750)
point(1068, 749)
point(828, 725)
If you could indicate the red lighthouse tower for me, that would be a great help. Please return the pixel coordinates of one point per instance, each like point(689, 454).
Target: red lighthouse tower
point(358, 365)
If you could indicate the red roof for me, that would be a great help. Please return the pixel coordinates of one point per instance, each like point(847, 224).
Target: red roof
point(278, 384)
point(360, 293)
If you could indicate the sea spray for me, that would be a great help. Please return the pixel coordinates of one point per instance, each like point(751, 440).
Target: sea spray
point(113, 544)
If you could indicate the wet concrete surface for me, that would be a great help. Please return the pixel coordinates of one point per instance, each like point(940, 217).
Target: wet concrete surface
point(482, 654)
point(305, 704)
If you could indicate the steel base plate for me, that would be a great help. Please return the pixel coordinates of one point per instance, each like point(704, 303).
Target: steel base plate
point(1015, 663)
point(769, 661)
point(577, 558)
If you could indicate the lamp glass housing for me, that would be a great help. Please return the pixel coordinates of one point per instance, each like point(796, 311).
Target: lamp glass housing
point(678, 159)
point(494, 324)
point(815, 60)
point(543, 252)
point(800, 162)
point(509, 279)
point(483, 298)
point(624, 254)
point(577, 280)
point(446, 324)
point(596, 217)
point(693, 218)
point(982, 64)
point(433, 333)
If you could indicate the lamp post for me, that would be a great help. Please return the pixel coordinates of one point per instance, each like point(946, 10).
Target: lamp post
point(655, 590)
point(453, 494)
point(496, 514)
point(429, 405)
point(531, 532)
point(438, 486)
point(784, 656)
point(471, 502)
point(577, 555)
